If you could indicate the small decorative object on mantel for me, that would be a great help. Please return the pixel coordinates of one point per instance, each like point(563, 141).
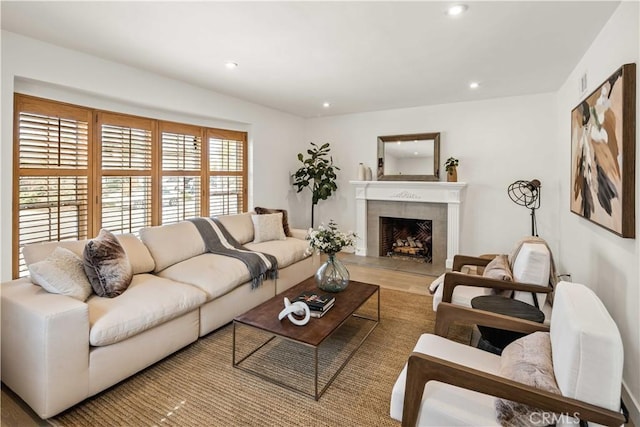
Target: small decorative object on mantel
point(368, 174)
point(451, 166)
point(298, 308)
point(362, 171)
point(332, 276)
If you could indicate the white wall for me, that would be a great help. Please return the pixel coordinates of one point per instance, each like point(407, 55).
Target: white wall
point(497, 142)
point(46, 70)
point(594, 256)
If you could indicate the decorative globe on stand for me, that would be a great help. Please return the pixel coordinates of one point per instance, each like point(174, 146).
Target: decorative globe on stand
point(332, 276)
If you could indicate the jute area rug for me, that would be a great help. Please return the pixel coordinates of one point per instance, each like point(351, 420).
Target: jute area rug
point(198, 386)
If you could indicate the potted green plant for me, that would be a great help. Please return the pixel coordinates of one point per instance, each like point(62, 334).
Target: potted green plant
point(451, 166)
point(318, 173)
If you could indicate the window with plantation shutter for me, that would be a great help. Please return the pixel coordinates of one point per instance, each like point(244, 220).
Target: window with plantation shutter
point(77, 170)
point(126, 172)
point(227, 172)
point(181, 188)
point(51, 167)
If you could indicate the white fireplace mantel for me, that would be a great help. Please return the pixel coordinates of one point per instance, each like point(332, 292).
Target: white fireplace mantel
point(450, 193)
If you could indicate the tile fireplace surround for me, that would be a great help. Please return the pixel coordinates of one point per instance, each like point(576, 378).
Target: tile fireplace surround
point(410, 199)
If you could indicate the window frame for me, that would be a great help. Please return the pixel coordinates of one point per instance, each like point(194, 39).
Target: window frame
point(94, 171)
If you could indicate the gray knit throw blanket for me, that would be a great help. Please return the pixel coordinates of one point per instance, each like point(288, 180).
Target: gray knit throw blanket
point(218, 240)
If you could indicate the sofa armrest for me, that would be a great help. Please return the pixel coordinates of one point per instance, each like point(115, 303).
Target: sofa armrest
point(299, 233)
point(45, 347)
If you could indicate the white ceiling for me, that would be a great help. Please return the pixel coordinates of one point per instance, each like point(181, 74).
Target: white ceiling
point(359, 56)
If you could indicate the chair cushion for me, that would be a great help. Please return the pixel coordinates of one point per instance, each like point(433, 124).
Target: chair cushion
point(441, 402)
point(528, 361)
point(586, 347)
point(532, 265)
point(462, 295)
point(149, 301)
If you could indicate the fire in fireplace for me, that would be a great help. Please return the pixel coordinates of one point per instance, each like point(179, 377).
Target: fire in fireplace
point(405, 238)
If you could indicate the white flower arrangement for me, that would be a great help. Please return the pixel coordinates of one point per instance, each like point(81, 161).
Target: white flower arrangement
point(329, 239)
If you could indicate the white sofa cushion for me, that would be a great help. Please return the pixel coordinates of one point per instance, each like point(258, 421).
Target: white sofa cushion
point(214, 274)
point(586, 347)
point(169, 244)
point(440, 402)
point(149, 301)
point(532, 265)
point(240, 226)
point(286, 251)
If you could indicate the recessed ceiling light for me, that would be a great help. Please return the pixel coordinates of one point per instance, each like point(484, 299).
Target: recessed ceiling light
point(326, 104)
point(457, 9)
point(474, 85)
point(415, 153)
point(231, 65)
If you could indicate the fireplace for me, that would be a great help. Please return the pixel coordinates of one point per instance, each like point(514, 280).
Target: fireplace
point(438, 201)
point(406, 238)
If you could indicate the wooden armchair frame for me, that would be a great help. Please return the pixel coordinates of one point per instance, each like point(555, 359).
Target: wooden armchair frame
point(422, 368)
point(455, 278)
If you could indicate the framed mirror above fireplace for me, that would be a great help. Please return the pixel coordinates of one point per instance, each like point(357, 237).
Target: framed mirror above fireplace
point(411, 157)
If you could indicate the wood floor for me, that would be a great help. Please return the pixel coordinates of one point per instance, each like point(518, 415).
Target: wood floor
point(15, 413)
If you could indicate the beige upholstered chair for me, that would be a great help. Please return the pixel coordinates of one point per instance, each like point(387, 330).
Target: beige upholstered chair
point(530, 265)
point(448, 383)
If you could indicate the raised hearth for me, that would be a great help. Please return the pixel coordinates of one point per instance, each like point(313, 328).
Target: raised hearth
point(435, 201)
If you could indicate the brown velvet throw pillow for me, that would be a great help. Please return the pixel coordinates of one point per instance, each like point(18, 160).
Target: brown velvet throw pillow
point(285, 219)
point(527, 360)
point(106, 265)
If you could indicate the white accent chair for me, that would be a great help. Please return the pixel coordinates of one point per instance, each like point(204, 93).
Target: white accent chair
point(445, 383)
point(531, 270)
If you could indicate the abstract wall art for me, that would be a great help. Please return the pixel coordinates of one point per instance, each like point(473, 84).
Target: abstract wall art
point(603, 133)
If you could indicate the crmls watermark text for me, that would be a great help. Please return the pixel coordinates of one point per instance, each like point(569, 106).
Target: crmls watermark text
point(550, 418)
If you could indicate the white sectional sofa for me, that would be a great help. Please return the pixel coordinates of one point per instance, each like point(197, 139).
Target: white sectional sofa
point(57, 351)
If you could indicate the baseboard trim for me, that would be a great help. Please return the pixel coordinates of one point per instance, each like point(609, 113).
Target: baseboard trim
point(632, 405)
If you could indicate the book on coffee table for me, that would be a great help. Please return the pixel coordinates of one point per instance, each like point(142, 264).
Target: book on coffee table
point(320, 313)
point(316, 301)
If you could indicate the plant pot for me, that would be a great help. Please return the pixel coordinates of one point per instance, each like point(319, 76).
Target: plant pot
point(452, 174)
point(332, 276)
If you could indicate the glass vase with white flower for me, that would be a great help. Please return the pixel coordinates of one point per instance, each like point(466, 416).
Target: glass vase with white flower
point(332, 276)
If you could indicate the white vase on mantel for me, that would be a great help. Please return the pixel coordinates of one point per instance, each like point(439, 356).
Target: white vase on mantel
point(362, 173)
point(368, 175)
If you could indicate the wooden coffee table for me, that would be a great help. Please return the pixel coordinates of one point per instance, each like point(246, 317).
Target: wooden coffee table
point(265, 318)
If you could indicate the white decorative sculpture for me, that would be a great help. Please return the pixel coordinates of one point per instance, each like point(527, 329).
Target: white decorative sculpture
point(299, 308)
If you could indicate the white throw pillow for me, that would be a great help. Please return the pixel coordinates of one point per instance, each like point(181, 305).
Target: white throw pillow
point(62, 273)
point(268, 227)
